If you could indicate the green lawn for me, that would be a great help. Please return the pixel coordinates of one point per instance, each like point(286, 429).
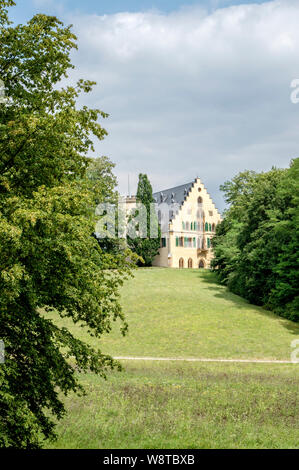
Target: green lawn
point(186, 405)
point(185, 313)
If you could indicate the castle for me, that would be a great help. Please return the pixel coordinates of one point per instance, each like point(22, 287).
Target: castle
point(188, 219)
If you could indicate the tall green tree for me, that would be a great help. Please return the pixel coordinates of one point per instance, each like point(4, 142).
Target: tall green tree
point(48, 258)
point(146, 247)
point(256, 245)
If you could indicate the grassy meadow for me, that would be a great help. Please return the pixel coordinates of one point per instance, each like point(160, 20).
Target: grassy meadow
point(155, 404)
point(185, 405)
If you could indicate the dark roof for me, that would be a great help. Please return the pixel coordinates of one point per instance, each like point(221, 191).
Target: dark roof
point(173, 195)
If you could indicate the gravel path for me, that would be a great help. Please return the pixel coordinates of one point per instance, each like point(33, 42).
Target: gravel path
point(195, 359)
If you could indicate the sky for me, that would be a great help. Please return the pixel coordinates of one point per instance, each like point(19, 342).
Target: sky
point(192, 88)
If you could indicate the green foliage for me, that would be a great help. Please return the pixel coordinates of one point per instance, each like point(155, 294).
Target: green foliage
point(146, 248)
point(256, 245)
point(48, 258)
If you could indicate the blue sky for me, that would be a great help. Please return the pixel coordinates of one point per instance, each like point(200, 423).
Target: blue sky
point(191, 88)
point(26, 8)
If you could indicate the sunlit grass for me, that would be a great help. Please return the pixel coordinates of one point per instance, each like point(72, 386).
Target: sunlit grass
point(185, 313)
point(183, 405)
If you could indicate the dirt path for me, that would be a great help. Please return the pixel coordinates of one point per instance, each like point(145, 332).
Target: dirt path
point(191, 359)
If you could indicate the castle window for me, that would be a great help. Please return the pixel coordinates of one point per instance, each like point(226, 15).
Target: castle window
point(194, 242)
point(181, 263)
point(190, 263)
point(183, 225)
point(211, 213)
point(191, 225)
point(210, 227)
point(208, 242)
point(187, 226)
point(177, 241)
point(199, 189)
point(213, 227)
point(199, 200)
point(163, 241)
point(206, 226)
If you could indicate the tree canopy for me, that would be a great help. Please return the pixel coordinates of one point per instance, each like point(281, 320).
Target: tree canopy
point(256, 245)
point(49, 188)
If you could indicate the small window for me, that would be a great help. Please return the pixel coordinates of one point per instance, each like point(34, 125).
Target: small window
point(177, 241)
point(206, 226)
point(163, 240)
point(211, 213)
point(187, 226)
point(199, 200)
point(183, 225)
point(210, 227)
point(208, 242)
point(199, 189)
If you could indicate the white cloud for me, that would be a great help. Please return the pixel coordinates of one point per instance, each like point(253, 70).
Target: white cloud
point(191, 93)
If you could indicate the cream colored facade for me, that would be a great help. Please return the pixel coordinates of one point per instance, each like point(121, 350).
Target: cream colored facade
point(190, 220)
point(188, 234)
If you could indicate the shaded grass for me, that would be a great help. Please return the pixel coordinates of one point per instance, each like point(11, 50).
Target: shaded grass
point(186, 405)
point(185, 313)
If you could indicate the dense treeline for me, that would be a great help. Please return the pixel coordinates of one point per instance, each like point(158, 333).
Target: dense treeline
point(256, 244)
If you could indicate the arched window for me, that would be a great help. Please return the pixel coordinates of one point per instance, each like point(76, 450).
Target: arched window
point(181, 263)
point(199, 200)
point(190, 263)
point(209, 243)
point(187, 226)
point(201, 264)
point(206, 226)
point(210, 227)
point(213, 227)
point(195, 225)
point(191, 225)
